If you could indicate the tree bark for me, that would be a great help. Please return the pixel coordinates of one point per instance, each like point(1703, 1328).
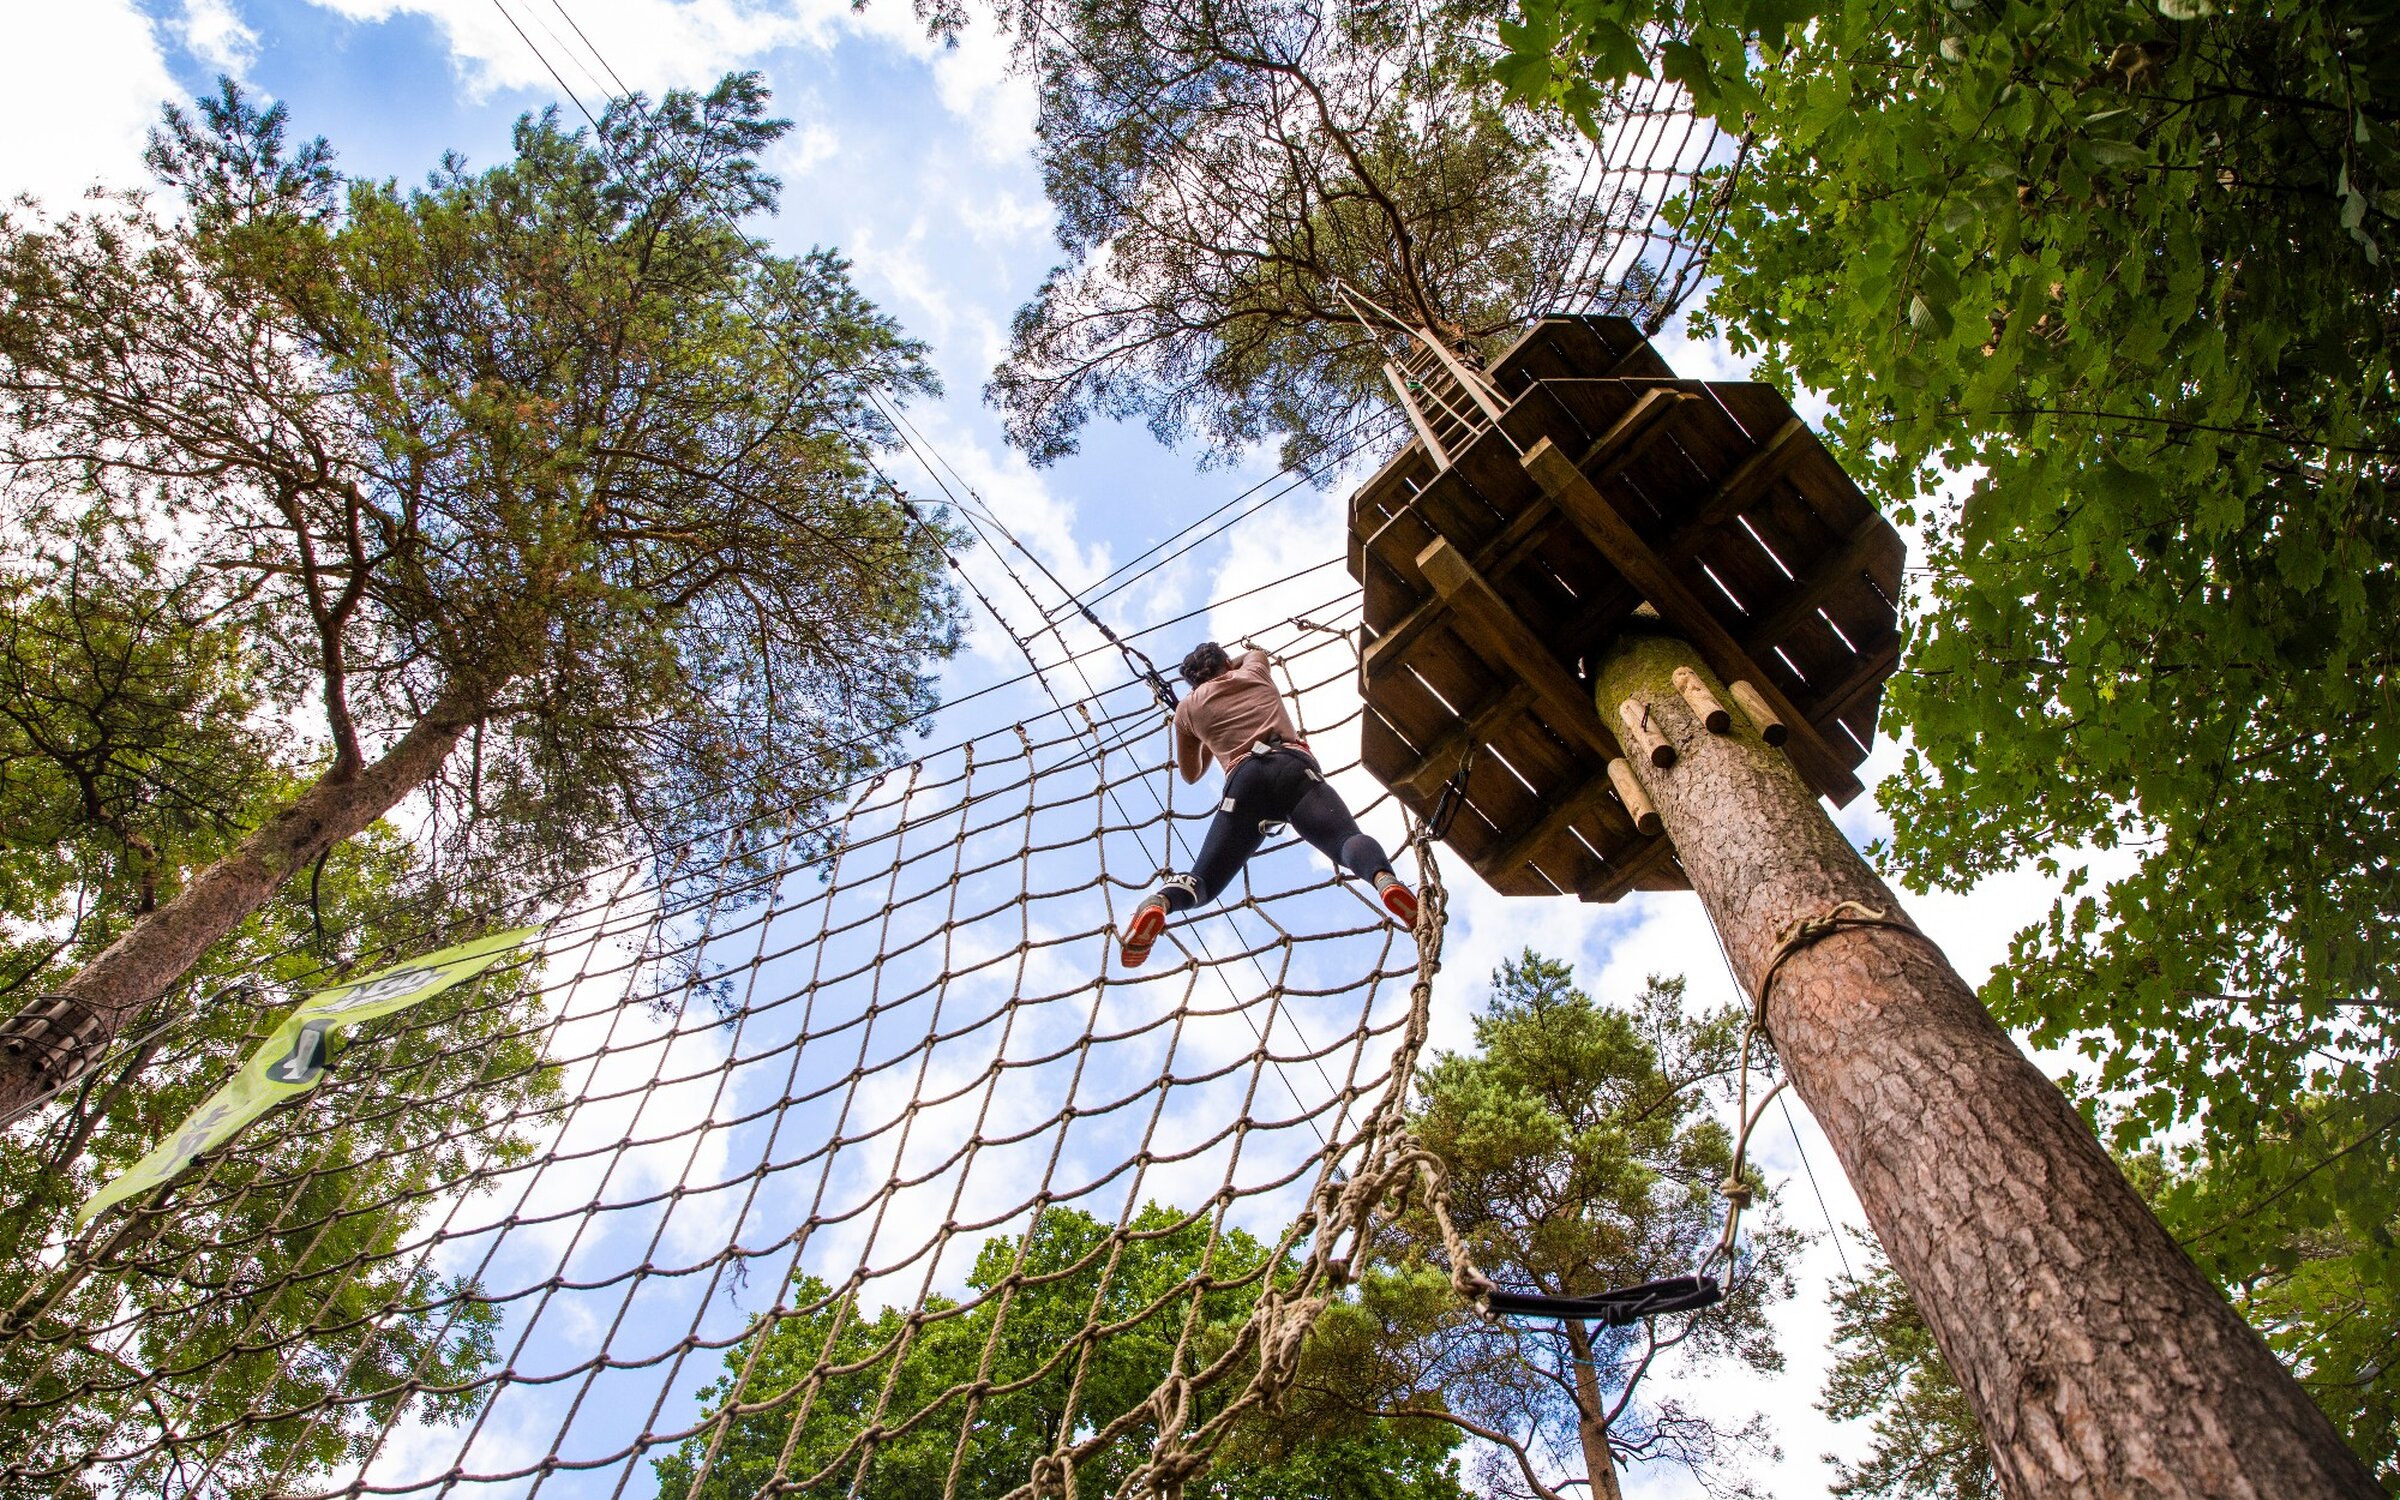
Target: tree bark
point(1591, 1418)
point(2097, 1357)
point(58, 1034)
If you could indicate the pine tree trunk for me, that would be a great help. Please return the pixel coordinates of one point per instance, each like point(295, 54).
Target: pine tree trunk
point(1591, 1413)
point(2097, 1357)
point(71, 1025)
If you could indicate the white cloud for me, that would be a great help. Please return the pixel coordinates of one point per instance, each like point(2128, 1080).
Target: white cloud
point(657, 44)
point(212, 31)
point(80, 85)
point(1004, 218)
point(810, 145)
point(650, 44)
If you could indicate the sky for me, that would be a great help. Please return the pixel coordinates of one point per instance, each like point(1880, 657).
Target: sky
point(915, 160)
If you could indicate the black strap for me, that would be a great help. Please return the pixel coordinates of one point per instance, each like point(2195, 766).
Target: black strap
point(1148, 668)
point(1453, 797)
point(1618, 1309)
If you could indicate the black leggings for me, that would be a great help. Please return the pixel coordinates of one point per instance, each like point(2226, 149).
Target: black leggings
point(1280, 787)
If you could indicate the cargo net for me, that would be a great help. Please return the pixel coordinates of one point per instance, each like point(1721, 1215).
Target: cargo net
point(1661, 179)
point(864, 1169)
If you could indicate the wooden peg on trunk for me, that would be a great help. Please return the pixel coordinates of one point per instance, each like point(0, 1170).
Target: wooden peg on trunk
point(1643, 735)
point(1770, 727)
point(1637, 802)
point(1704, 704)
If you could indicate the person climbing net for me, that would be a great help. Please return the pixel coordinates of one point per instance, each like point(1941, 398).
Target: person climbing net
point(1235, 714)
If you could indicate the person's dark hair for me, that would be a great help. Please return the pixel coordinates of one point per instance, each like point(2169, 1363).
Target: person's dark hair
point(1204, 661)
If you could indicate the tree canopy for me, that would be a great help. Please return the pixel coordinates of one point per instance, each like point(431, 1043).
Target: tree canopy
point(1221, 171)
point(1583, 1155)
point(2102, 299)
point(274, 1310)
point(130, 748)
point(841, 1368)
point(545, 464)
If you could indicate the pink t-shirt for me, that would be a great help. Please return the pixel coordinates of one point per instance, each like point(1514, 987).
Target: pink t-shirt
point(1228, 714)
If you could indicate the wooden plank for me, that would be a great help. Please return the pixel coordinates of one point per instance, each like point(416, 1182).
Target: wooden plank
point(1520, 537)
point(1458, 668)
point(1874, 664)
point(1545, 755)
point(1642, 567)
point(1757, 406)
point(1412, 708)
point(1446, 507)
point(1831, 493)
point(1396, 541)
point(1593, 796)
point(1628, 870)
point(1416, 417)
point(1650, 416)
point(1474, 604)
point(1576, 345)
point(1567, 864)
point(1819, 582)
point(1740, 488)
point(1383, 750)
point(1426, 772)
point(1384, 598)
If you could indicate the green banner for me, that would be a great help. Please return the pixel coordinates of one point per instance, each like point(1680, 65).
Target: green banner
point(293, 1057)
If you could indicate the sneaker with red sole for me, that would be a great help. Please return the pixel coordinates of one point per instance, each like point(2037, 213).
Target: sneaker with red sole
point(1401, 902)
point(1142, 929)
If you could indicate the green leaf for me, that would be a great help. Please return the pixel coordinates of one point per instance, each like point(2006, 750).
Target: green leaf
point(2113, 153)
point(1614, 51)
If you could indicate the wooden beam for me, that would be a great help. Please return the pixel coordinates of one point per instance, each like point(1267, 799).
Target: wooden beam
point(1441, 757)
point(1645, 570)
point(1739, 489)
point(1527, 531)
point(1871, 668)
point(1636, 798)
point(1702, 702)
point(1759, 712)
point(1497, 629)
point(1627, 874)
point(1593, 798)
point(1632, 432)
point(1416, 418)
point(1848, 564)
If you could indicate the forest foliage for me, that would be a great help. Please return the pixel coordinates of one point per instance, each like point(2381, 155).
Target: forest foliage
point(1231, 179)
point(278, 1299)
point(2102, 299)
point(1585, 1152)
point(543, 466)
point(832, 1372)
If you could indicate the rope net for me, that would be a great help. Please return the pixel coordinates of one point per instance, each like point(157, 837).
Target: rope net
point(1662, 178)
point(861, 1168)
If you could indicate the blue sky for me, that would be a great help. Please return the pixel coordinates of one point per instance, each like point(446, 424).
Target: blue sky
point(914, 159)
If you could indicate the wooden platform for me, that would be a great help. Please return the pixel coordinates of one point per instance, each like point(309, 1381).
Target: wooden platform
point(1492, 582)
